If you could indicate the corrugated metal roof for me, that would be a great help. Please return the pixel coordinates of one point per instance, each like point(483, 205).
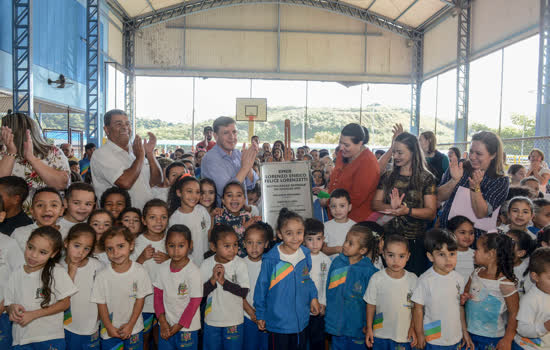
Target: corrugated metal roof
point(412, 13)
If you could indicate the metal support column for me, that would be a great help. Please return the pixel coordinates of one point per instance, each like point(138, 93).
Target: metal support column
point(542, 127)
point(92, 71)
point(22, 56)
point(463, 70)
point(416, 84)
point(130, 74)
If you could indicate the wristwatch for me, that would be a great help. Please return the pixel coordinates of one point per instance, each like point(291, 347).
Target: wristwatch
point(410, 212)
point(475, 189)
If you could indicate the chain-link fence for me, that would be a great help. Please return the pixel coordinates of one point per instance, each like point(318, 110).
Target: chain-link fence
point(73, 136)
point(516, 149)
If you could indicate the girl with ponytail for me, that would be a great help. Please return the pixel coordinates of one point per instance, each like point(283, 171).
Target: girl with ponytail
point(39, 291)
point(493, 299)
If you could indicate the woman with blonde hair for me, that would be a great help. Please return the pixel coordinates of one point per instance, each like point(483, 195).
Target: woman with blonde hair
point(483, 175)
point(26, 154)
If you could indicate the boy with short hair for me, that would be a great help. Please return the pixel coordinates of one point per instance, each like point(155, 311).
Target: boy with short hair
point(320, 264)
point(337, 228)
point(13, 191)
point(534, 186)
point(542, 215)
point(438, 317)
point(533, 330)
point(79, 203)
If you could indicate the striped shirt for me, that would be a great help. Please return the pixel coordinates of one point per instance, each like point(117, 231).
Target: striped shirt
point(494, 191)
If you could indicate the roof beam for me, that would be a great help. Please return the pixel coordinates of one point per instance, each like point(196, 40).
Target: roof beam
point(118, 9)
point(405, 10)
point(151, 5)
point(196, 6)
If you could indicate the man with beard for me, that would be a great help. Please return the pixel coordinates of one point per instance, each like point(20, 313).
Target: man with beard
point(207, 143)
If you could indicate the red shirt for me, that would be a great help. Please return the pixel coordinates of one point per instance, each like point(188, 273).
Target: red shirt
point(202, 144)
point(360, 178)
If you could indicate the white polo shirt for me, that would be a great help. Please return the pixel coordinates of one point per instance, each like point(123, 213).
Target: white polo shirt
point(108, 164)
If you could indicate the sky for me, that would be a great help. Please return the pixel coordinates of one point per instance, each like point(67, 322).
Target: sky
point(171, 99)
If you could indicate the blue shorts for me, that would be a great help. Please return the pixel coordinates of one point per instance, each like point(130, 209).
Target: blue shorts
point(348, 343)
point(180, 340)
point(5, 332)
point(135, 342)
point(484, 343)
point(54, 344)
point(223, 338)
point(442, 347)
point(82, 342)
point(388, 344)
point(149, 320)
point(254, 338)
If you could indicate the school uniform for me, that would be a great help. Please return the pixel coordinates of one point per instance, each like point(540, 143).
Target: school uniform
point(152, 269)
point(22, 234)
point(335, 233)
point(346, 310)
point(81, 318)
point(198, 222)
point(465, 263)
point(392, 318)
point(284, 288)
point(254, 338)
point(177, 290)
point(26, 290)
point(320, 265)
point(440, 296)
point(224, 313)
point(534, 311)
point(519, 272)
point(119, 291)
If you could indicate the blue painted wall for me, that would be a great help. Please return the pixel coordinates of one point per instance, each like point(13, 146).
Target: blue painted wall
point(59, 47)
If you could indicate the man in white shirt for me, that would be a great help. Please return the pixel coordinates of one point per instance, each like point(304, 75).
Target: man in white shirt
point(134, 169)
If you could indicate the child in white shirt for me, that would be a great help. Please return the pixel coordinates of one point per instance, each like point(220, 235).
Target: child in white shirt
point(256, 240)
point(523, 247)
point(463, 229)
point(437, 315)
point(46, 208)
point(320, 264)
point(388, 297)
point(178, 293)
point(226, 285)
point(80, 319)
point(119, 291)
point(337, 228)
point(38, 292)
point(79, 202)
point(101, 221)
point(184, 200)
point(150, 251)
point(533, 331)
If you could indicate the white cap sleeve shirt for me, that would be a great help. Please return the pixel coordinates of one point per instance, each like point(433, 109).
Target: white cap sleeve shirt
point(198, 222)
point(150, 265)
point(440, 296)
point(82, 317)
point(224, 309)
point(177, 290)
point(392, 298)
point(320, 265)
point(254, 268)
point(335, 233)
point(534, 311)
point(119, 292)
point(26, 289)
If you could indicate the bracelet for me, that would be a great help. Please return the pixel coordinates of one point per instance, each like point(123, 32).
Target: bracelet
point(14, 155)
point(410, 212)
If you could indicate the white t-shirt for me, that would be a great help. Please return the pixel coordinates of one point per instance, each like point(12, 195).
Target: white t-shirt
point(82, 317)
point(4, 276)
point(178, 289)
point(10, 254)
point(161, 193)
point(465, 263)
point(335, 233)
point(108, 164)
point(119, 292)
point(103, 258)
point(293, 258)
point(392, 298)
point(65, 225)
point(25, 289)
point(519, 271)
point(22, 234)
point(198, 221)
point(320, 264)
point(534, 310)
point(150, 265)
point(224, 309)
point(254, 268)
point(440, 295)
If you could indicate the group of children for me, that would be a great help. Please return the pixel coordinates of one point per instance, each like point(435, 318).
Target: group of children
point(184, 273)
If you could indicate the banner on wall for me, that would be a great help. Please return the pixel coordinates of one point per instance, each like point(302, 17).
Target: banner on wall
point(286, 185)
